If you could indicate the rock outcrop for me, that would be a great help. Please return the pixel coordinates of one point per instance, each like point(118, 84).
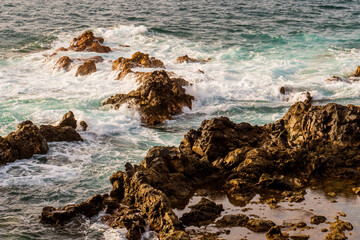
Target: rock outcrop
point(63, 63)
point(187, 59)
point(157, 99)
point(86, 68)
point(138, 59)
point(88, 42)
point(64, 131)
point(309, 143)
point(22, 144)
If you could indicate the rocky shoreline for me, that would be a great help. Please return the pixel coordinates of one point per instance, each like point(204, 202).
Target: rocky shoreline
point(279, 161)
point(308, 144)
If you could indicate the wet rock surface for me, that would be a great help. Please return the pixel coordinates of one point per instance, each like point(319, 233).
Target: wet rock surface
point(86, 68)
point(30, 139)
point(64, 131)
point(187, 59)
point(202, 213)
point(63, 63)
point(157, 99)
point(308, 144)
point(88, 42)
point(22, 144)
point(138, 59)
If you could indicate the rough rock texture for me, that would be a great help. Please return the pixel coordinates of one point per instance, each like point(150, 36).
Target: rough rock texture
point(86, 68)
point(317, 219)
point(202, 213)
point(157, 99)
point(138, 59)
point(308, 144)
point(64, 131)
point(63, 63)
point(88, 42)
point(275, 233)
point(22, 144)
point(84, 125)
point(238, 220)
point(187, 59)
point(337, 230)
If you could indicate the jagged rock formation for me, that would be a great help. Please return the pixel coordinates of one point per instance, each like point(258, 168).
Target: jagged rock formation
point(187, 59)
point(308, 143)
point(138, 59)
point(24, 143)
point(157, 99)
point(64, 131)
point(63, 63)
point(29, 139)
point(86, 68)
point(88, 42)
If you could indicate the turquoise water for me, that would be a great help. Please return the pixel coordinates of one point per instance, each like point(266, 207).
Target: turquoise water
point(255, 48)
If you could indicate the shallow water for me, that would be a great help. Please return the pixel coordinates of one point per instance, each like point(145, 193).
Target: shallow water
point(255, 48)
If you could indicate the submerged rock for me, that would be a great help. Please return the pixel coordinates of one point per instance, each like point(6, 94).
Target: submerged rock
point(157, 99)
point(88, 42)
point(307, 144)
point(86, 68)
point(187, 59)
point(84, 125)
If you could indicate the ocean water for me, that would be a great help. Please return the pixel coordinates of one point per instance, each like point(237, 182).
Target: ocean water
point(255, 47)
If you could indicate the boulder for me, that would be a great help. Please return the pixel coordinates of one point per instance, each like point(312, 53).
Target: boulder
point(317, 219)
point(86, 68)
point(84, 125)
point(138, 59)
point(59, 134)
point(238, 220)
point(202, 213)
point(25, 142)
point(187, 59)
point(68, 120)
point(259, 225)
point(88, 42)
point(64, 131)
point(337, 230)
point(157, 99)
point(63, 63)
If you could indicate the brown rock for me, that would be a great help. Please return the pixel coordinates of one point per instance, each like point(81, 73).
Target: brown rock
point(258, 225)
point(84, 125)
point(357, 72)
point(86, 68)
point(239, 220)
point(88, 42)
point(317, 219)
point(63, 63)
point(26, 141)
point(282, 90)
point(187, 59)
point(299, 237)
point(202, 213)
point(337, 230)
point(68, 120)
point(59, 134)
point(275, 233)
point(158, 98)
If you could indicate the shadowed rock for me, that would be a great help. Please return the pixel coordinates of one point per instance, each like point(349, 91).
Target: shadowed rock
point(64, 131)
point(202, 213)
point(157, 99)
point(22, 144)
point(309, 143)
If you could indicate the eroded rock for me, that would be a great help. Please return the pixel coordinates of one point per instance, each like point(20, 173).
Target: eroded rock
point(307, 144)
point(88, 42)
point(63, 63)
point(86, 68)
point(202, 213)
point(157, 99)
point(187, 59)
